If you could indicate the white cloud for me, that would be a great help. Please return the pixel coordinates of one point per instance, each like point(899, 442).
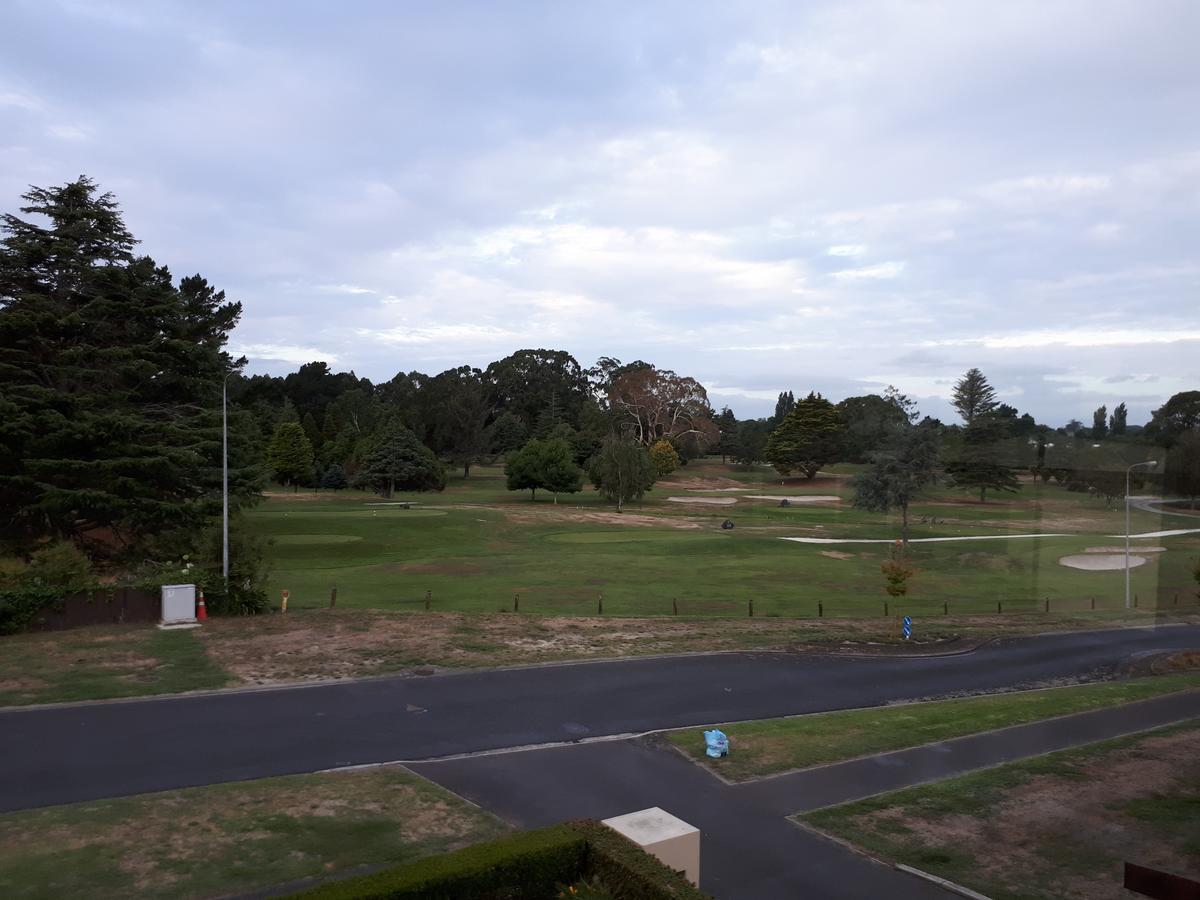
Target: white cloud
point(1073, 337)
point(882, 270)
point(288, 353)
point(846, 250)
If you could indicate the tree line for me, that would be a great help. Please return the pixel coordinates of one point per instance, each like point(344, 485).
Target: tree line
point(110, 429)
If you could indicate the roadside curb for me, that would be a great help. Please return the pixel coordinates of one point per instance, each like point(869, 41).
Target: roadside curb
point(943, 882)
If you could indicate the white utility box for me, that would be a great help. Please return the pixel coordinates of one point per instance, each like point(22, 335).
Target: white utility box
point(673, 841)
point(178, 604)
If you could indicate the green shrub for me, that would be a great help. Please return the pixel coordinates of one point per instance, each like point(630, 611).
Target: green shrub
point(19, 607)
point(59, 565)
point(526, 866)
point(627, 871)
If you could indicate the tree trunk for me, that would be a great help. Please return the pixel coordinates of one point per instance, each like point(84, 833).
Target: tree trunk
point(391, 488)
point(532, 494)
point(904, 525)
point(983, 495)
point(467, 469)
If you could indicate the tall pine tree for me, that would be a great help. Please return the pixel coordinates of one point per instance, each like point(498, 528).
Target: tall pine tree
point(110, 377)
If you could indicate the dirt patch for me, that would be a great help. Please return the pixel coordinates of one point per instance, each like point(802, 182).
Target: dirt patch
point(1185, 661)
point(562, 514)
point(707, 483)
point(835, 554)
point(1070, 829)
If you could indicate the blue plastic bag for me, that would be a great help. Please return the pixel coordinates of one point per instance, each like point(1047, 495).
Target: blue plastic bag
point(716, 743)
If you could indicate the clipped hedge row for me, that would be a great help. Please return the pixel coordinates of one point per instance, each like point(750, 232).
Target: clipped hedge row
point(629, 872)
point(532, 865)
point(525, 866)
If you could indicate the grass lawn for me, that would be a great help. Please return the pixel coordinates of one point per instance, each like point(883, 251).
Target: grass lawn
point(770, 746)
point(1060, 825)
point(231, 838)
point(104, 661)
point(476, 546)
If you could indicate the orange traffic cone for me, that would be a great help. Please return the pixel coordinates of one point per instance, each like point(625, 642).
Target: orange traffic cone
point(201, 612)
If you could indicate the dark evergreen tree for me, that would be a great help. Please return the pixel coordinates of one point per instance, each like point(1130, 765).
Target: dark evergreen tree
point(978, 464)
point(784, 405)
point(290, 455)
point(808, 437)
point(1117, 423)
point(973, 396)
point(1100, 423)
point(399, 461)
point(110, 380)
point(334, 478)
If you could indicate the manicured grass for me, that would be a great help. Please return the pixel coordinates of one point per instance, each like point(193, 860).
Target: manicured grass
point(1060, 825)
point(477, 545)
point(103, 661)
point(232, 838)
point(777, 745)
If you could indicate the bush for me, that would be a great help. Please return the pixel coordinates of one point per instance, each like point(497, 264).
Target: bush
point(526, 865)
point(20, 607)
point(627, 871)
point(59, 565)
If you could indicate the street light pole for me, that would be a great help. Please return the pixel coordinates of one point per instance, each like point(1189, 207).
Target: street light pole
point(225, 480)
point(1128, 472)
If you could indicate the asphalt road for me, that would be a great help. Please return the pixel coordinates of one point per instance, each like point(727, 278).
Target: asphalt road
point(69, 753)
point(749, 849)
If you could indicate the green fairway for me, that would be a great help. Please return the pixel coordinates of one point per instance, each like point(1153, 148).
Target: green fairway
point(777, 745)
point(476, 545)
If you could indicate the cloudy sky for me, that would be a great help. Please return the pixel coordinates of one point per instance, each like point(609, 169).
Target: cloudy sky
point(763, 196)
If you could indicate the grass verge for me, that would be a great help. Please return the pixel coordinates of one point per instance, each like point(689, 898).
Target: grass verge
point(232, 838)
point(777, 745)
point(1056, 826)
point(103, 662)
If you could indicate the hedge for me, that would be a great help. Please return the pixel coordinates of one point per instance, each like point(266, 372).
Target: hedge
point(629, 872)
point(526, 866)
point(532, 865)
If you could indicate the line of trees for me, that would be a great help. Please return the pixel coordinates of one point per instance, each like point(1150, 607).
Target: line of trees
point(112, 370)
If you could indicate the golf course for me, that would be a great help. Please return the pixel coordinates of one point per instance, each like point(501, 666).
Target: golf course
point(477, 547)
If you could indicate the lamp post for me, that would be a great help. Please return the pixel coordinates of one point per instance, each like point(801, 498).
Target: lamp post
point(1128, 472)
point(225, 480)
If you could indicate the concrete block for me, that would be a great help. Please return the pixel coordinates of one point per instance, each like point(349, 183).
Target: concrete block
point(673, 841)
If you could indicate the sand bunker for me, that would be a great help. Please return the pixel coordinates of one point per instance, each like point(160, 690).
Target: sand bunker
point(717, 490)
point(714, 501)
point(1101, 562)
point(836, 554)
point(1121, 550)
point(793, 498)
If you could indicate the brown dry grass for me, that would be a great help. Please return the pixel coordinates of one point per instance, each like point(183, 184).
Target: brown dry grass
point(1008, 840)
point(542, 515)
point(325, 644)
point(173, 842)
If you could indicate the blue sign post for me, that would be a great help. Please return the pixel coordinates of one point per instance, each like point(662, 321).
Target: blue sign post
point(907, 627)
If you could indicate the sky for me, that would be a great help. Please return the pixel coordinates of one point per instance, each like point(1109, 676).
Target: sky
point(765, 197)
